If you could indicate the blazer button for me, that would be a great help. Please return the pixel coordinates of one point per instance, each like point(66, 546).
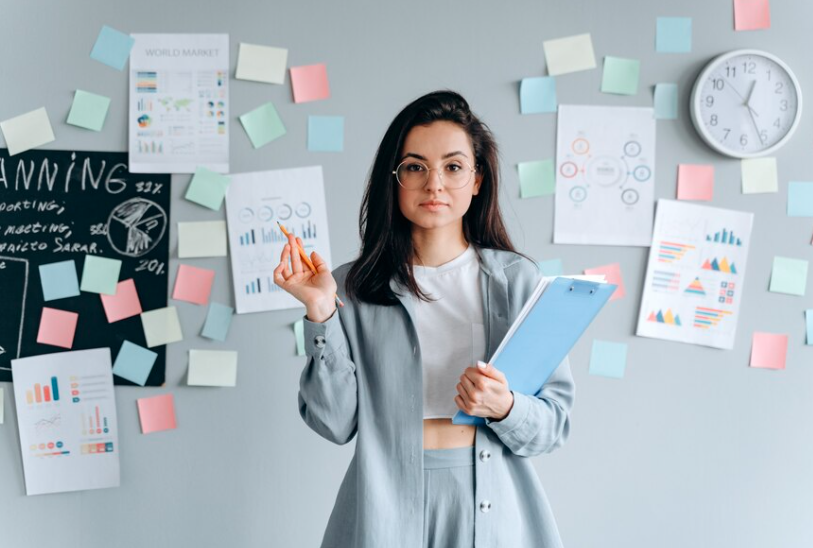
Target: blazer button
point(485, 454)
point(485, 506)
point(319, 341)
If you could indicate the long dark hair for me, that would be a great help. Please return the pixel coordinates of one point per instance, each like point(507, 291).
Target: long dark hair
point(386, 236)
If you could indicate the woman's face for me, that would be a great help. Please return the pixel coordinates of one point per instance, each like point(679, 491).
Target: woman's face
point(444, 148)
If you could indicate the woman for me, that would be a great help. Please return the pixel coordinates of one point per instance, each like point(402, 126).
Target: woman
point(433, 292)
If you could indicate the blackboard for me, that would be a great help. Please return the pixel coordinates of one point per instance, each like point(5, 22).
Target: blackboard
point(63, 205)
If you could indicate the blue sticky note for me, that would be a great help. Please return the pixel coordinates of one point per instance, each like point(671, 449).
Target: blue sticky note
point(800, 199)
point(537, 95)
point(809, 325)
point(59, 280)
point(218, 320)
point(674, 35)
point(134, 363)
point(326, 133)
point(112, 47)
point(551, 267)
point(666, 101)
point(608, 359)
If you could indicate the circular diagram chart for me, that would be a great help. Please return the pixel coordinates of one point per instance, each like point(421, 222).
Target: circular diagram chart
point(136, 226)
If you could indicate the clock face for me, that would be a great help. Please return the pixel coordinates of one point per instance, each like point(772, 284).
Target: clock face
point(746, 103)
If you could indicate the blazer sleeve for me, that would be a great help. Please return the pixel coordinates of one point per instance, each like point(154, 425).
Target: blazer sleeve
point(540, 423)
point(328, 394)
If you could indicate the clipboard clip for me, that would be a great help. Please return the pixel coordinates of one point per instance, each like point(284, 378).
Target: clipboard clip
point(584, 288)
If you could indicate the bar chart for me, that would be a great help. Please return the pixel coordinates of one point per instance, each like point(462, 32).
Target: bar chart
point(43, 392)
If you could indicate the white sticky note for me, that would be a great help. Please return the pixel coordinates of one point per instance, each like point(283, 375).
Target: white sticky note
point(202, 239)
point(261, 64)
point(212, 368)
point(27, 131)
point(161, 326)
point(759, 175)
point(570, 54)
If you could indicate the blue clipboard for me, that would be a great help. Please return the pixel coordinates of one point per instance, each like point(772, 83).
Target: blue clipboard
point(544, 332)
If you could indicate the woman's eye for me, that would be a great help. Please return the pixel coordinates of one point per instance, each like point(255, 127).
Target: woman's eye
point(414, 167)
point(454, 167)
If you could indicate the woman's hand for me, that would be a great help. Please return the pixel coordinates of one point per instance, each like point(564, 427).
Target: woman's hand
point(315, 291)
point(483, 392)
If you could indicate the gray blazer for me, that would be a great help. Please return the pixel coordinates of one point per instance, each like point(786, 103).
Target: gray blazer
point(363, 376)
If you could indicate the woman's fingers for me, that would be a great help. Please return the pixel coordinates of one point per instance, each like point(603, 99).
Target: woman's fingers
point(296, 260)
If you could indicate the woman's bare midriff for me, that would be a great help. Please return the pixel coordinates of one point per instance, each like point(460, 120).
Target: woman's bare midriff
point(442, 434)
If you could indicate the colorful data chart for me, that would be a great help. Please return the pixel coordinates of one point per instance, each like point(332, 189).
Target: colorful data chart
point(706, 318)
point(43, 393)
point(719, 265)
point(666, 318)
point(671, 252)
point(665, 281)
point(695, 288)
point(726, 293)
point(724, 237)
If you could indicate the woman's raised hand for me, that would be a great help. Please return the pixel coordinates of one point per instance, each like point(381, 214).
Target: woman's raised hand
point(316, 291)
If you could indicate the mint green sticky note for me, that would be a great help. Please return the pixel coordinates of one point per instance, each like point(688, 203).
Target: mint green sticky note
point(263, 124)
point(536, 178)
point(789, 276)
point(88, 110)
point(666, 101)
point(326, 133)
point(620, 76)
point(100, 275)
point(299, 331)
point(537, 95)
point(207, 188)
point(608, 359)
point(674, 35)
point(551, 267)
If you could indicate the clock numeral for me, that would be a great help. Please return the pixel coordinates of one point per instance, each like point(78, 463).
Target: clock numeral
point(777, 123)
point(718, 83)
point(749, 67)
point(727, 131)
point(769, 75)
point(763, 136)
point(713, 120)
point(783, 105)
point(731, 72)
point(780, 87)
point(743, 139)
point(709, 101)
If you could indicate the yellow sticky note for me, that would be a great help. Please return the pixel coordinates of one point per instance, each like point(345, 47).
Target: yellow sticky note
point(212, 368)
point(570, 54)
point(202, 239)
point(27, 131)
point(161, 326)
point(759, 175)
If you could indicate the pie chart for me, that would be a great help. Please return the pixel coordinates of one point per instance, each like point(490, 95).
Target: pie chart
point(136, 226)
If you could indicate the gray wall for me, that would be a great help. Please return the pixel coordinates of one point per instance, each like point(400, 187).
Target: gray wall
point(691, 448)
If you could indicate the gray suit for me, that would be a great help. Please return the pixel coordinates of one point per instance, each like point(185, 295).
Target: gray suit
point(363, 376)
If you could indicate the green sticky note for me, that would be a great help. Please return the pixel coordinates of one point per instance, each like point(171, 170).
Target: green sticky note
point(299, 331)
point(759, 175)
point(207, 188)
point(88, 110)
point(263, 124)
point(789, 276)
point(608, 359)
point(620, 76)
point(100, 275)
point(536, 178)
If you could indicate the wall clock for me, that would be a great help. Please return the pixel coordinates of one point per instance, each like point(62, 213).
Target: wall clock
point(746, 103)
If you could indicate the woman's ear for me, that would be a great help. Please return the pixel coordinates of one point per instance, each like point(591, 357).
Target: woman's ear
point(478, 180)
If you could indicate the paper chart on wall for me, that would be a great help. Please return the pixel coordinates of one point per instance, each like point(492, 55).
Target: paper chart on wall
point(695, 274)
point(605, 168)
point(254, 204)
point(179, 103)
point(66, 413)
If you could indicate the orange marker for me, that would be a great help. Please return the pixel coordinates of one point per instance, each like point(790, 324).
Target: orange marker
point(308, 261)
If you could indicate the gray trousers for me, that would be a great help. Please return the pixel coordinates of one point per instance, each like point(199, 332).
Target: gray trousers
point(448, 498)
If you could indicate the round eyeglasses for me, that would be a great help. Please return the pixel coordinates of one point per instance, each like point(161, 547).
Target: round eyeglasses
point(413, 174)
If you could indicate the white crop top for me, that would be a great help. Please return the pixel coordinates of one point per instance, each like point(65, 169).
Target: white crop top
point(450, 329)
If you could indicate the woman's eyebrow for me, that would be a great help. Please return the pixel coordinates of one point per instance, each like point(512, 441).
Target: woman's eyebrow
point(447, 155)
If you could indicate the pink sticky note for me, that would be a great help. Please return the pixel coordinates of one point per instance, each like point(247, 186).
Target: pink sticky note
point(157, 413)
point(769, 350)
point(695, 182)
point(193, 284)
point(124, 304)
point(310, 83)
point(613, 274)
point(752, 14)
point(57, 327)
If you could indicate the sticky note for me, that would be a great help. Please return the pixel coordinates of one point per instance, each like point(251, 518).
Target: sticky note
point(666, 101)
point(769, 350)
point(134, 363)
point(620, 75)
point(112, 47)
point(59, 280)
point(608, 359)
point(212, 368)
point(537, 95)
point(202, 239)
point(218, 321)
point(161, 326)
point(569, 54)
point(536, 178)
point(326, 133)
point(752, 14)
point(299, 333)
point(695, 182)
point(800, 199)
point(613, 274)
point(124, 304)
point(789, 276)
point(809, 326)
point(157, 413)
point(100, 275)
point(88, 110)
point(27, 131)
point(207, 188)
point(263, 124)
point(193, 284)
point(759, 175)
point(57, 327)
point(551, 267)
point(674, 35)
point(261, 64)
point(309, 83)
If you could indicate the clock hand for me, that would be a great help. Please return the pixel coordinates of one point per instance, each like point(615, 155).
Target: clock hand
point(731, 86)
point(753, 120)
point(748, 100)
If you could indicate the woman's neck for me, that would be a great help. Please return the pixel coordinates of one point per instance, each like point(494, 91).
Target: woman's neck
point(434, 247)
